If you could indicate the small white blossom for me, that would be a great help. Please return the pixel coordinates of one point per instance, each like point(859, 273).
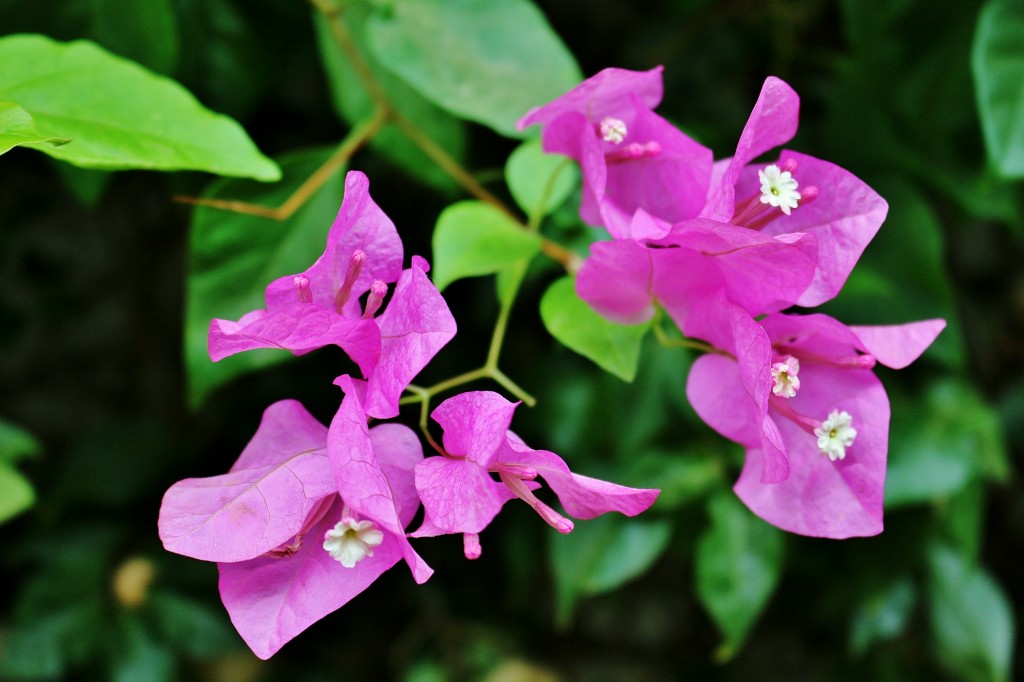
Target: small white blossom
point(778, 188)
point(836, 434)
point(784, 374)
point(351, 541)
point(613, 130)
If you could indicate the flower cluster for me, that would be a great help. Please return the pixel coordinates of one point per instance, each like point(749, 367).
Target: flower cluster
point(724, 247)
point(309, 516)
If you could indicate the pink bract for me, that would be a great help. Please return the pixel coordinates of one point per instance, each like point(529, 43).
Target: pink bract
point(459, 495)
point(786, 480)
point(321, 306)
point(651, 166)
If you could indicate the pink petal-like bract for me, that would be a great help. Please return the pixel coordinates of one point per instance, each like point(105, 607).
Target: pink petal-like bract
point(303, 311)
point(653, 167)
point(271, 600)
point(280, 477)
point(361, 480)
point(413, 328)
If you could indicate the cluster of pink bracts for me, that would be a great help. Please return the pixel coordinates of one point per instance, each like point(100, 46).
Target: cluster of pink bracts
point(309, 515)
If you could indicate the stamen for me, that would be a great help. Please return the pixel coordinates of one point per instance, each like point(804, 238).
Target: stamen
point(378, 290)
point(634, 151)
point(836, 434)
point(520, 471)
point(471, 545)
point(784, 373)
point(786, 410)
point(613, 130)
point(351, 541)
point(302, 289)
point(553, 518)
point(355, 265)
point(859, 361)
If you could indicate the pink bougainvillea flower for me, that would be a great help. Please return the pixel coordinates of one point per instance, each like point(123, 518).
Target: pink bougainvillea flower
point(290, 548)
point(630, 157)
point(797, 193)
point(623, 279)
point(460, 496)
point(799, 393)
point(321, 306)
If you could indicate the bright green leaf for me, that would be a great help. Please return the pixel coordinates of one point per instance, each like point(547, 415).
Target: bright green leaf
point(971, 618)
point(482, 60)
point(119, 115)
point(17, 128)
point(601, 554)
point(233, 257)
point(739, 560)
point(473, 238)
point(997, 58)
point(884, 613)
point(354, 104)
point(534, 176)
point(942, 443)
point(145, 31)
point(16, 493)
point(614, 347)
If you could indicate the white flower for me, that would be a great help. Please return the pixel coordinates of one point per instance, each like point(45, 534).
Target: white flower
point(351, 541)
point(613, 130)
point(778, 188)
point(785, 376)
point(836, 434)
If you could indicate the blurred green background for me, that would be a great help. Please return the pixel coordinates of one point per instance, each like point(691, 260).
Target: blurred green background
point(98, 412)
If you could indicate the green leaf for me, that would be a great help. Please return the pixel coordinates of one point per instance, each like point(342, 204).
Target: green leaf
point(601, 554)
point(119, 115)
point(972, 621)
point(354, 104)
point(883, 614)
point(961, 520)
point(473, 238)
point(17, 128)
point(614, 347)
point(941, 444)
point(136, 657)
point(16, 493)
point(485, 61)
point(145, 31)
point(534, 176)
point(997, 58)
point(190, 626)
point(233, 257)
point(16, 443)
point(681, 478)
point(739, 560)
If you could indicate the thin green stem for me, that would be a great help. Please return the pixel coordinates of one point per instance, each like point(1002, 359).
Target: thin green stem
point(668, 342)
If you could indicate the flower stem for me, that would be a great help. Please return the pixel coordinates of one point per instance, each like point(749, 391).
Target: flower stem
point(356, 138)
point(331, 12)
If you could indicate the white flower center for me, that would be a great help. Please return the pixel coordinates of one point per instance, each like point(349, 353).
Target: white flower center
point(784, 374)
point(778, 188)
point(613, 130)
point(836, 434)
point(351, 541)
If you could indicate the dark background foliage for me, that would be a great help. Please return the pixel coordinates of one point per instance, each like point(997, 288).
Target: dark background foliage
point(93, 273)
